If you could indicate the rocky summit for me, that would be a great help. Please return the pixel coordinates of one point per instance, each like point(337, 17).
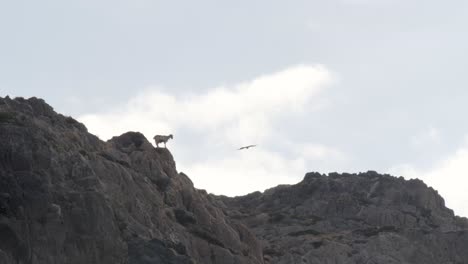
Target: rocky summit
point(67, 197)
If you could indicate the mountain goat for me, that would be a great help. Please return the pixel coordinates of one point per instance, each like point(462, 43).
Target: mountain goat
point(162, 139)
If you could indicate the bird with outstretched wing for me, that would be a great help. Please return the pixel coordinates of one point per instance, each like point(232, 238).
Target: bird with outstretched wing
point(247, 147)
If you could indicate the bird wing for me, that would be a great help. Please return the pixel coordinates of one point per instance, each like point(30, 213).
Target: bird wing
point(247, 147)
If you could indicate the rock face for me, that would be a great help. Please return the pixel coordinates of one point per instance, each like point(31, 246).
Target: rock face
point(353, 218)
point(68, 197)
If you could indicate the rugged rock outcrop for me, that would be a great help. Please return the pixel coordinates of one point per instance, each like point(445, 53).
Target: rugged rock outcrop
point(353, 218)
point(68, 197)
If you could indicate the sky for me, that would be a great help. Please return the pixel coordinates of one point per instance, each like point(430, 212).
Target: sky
point(337, 85)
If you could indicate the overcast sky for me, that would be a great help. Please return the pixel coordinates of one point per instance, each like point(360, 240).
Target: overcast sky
point(336, 85)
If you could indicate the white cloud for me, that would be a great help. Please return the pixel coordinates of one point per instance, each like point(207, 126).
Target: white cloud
point(449, 177)
point(223, 119)
point(260, 168)
point(428, 137)
point(243, 112)
point(246, 171)
point(319, 152)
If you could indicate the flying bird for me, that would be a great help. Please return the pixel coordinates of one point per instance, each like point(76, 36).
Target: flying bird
point(247, 147)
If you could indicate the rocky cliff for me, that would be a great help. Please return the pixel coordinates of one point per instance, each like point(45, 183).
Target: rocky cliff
point(353, 218)
point(68, 197)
